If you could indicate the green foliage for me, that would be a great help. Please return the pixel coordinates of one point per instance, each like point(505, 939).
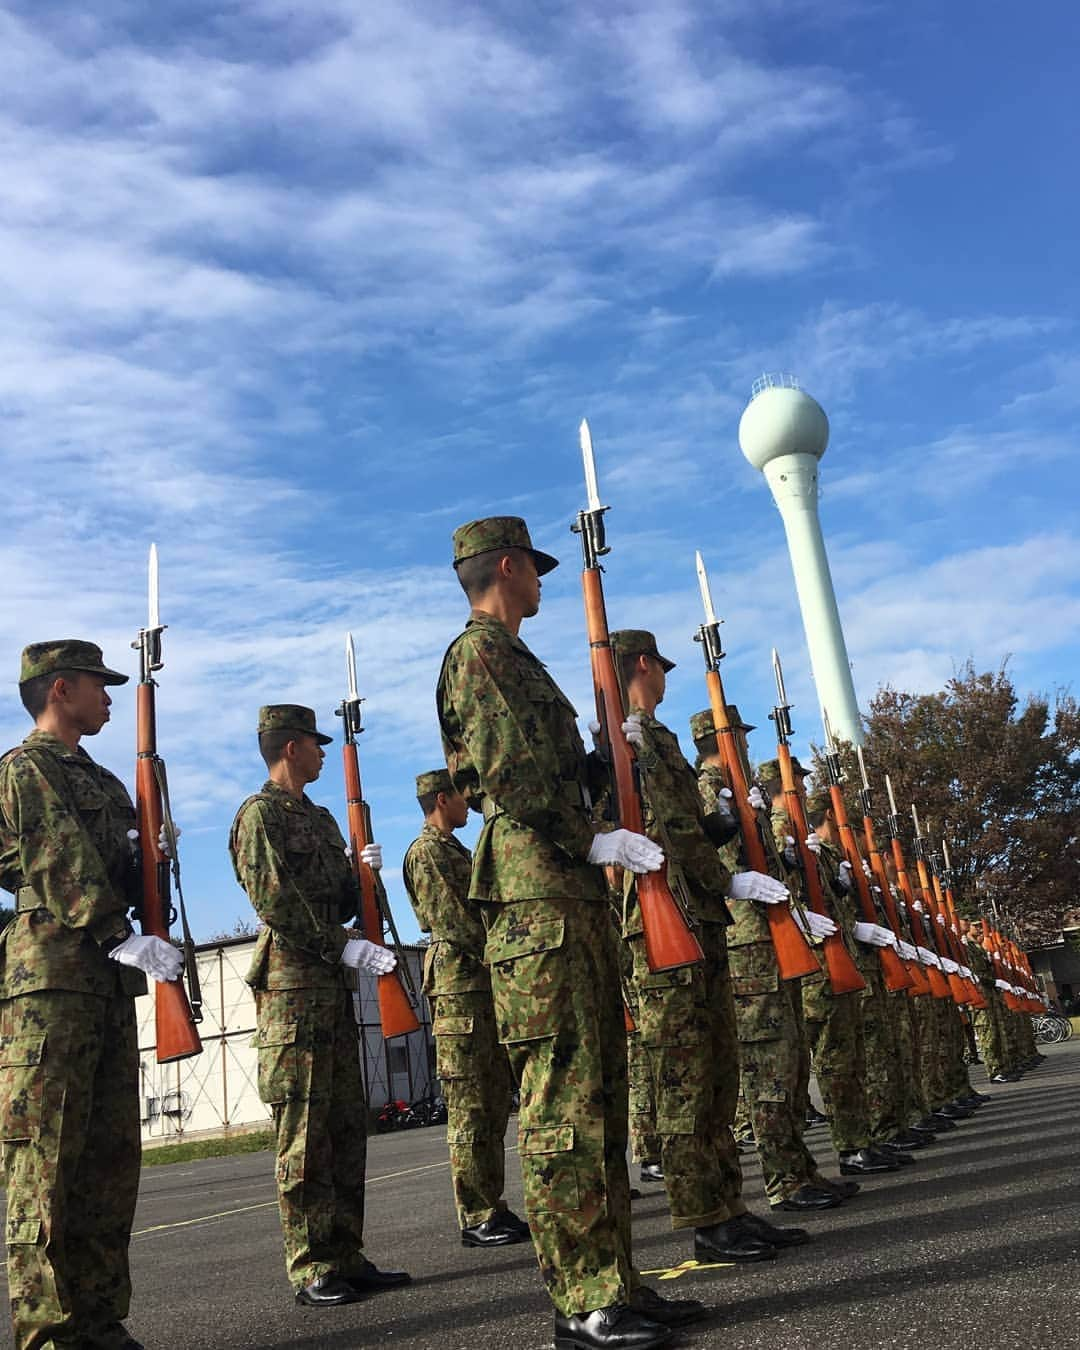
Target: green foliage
point(255, 1142)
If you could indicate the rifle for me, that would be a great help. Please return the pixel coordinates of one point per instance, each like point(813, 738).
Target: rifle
point(843, 972)
point(396, 1013)
point(892, 968)
point(935, 920)
point(917, 981)
point(669, 938)
point(794, 958)
point(174, 1016)
point(947, 902)
point(939, 986)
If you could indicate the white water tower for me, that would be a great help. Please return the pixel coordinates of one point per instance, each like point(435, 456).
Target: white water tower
point(784, 432)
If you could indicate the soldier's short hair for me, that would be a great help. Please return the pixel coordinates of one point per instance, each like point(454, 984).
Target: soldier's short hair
point(477, 574)
point(272, 744)
point(35, 691)
point(428, 801)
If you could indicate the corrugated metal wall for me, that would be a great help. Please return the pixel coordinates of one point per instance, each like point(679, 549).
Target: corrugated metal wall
point(216, 1091)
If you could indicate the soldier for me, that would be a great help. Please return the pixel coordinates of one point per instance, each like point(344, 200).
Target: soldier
point(290, 858)
point(687, 1016)
point(513, 750)
point(768, 1010)
point(472, 1066)
point(71, 968)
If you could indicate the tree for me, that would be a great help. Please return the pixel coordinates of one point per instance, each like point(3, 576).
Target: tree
point(1000, 781)
point(241, 928)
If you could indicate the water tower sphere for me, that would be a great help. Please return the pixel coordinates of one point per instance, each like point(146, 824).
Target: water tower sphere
point(782, 421)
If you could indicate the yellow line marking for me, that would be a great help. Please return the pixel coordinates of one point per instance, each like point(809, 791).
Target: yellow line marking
point(685, 1267)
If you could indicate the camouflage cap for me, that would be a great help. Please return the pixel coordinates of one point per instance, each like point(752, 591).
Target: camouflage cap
point(702, 724)
point(484, 536)
point(770, 769)
point(435, 780)
point(290, 717)
point(43, 658)
point(638, 642)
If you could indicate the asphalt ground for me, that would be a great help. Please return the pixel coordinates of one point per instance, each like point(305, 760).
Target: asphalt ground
point(978, 1244)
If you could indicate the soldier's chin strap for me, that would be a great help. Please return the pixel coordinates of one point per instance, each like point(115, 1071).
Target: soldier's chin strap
point(191, 965)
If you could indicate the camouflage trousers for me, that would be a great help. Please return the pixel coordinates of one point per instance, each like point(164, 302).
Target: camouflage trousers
point(686, 1020)
point(913, 1105)
point(476, 1082)
point(559, 1012)
point(309, 1075)
point(989, 1033)
point(644, 1141)
point(69, 1114)
point(885, 1082)
point(768, 1019)
point(957, 1079)
point(839, 1060)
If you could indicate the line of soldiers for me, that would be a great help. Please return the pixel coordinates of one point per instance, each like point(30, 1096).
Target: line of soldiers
point(528, 975)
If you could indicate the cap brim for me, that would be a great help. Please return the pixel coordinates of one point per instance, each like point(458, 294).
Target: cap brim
point(665, 664)
point(321, 739)
point(113, 676)
point(744, 726)
point(544, 562)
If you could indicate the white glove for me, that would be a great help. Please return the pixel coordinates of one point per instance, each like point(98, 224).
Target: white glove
point(756, 798)
point(152, 955)
point(163, 838)
point(949, 966)
point(967, 973)
point(1000, 984)
point(790, 855)
point(631, 729)
point(814, 925)
point(723, 806)
point(941, 919)
point(874, 935)
point(626, 849)
point(843, 876)
point(372, 855)
point(866, 869)
point(929, 958)
point(907, 951)
point(758, 886)
point(360, 954)
point(599, 744)
point(813, 841)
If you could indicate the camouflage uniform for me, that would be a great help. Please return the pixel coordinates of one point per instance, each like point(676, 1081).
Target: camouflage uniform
point(69, 1063)
point(686, 1017)
point(289, 856)
point(472, 1066)
point(513, 750)
point(768, 1023)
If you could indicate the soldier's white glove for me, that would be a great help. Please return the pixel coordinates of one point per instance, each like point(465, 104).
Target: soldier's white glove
point(949, 966)
point(941, 919)
point(152, 955)
point(1000, 984)
point(813, 841)
point(907, 951)
point(164, 846)
point(814, 925)
point(631, 729)
point(626, 849)
point(929, 958)
point(874, 935)
point(758, 886)
point(372, 855)
point(756, 798)
point(967, 973)
point(723, 806)
point(599, 744)
point(360, 954)
point(843, 876)
point(790, 856)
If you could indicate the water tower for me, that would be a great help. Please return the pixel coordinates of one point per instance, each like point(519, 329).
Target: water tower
point(784, 432)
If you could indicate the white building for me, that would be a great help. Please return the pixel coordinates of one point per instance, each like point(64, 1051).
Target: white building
point(216, 1092)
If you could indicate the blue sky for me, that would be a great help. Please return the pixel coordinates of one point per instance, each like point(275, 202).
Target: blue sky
point(294, 291)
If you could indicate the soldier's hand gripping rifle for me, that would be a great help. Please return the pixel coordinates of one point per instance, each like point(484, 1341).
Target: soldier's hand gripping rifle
point(174, 1015)
point(934, 925)
point(843, 973)
point(921, 936)
point(669, 938)
point(892, 968)
point(794, 957)
point(396, 1012)
point(918, 984)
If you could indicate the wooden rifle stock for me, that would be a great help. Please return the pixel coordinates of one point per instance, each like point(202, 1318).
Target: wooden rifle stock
point(892, 968)
point(844, 974)
point(794, 957)
point(947, 907)
point(396, 1013)
point(669, 939)
point(955, 984)
point(918, 985)
point(176, 1035)
point(939, 986)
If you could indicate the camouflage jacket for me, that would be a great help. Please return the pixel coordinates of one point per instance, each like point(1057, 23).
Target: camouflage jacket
point(437, 872)
point(64, 850)
point(979, 963)
point(675, 817)
point(748, 918)
point(512, 747)
point(288, 854)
